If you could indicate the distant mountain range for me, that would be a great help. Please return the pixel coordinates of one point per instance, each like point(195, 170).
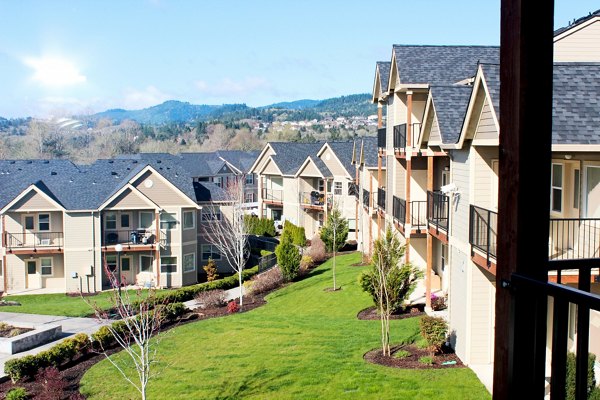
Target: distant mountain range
point(174, 111)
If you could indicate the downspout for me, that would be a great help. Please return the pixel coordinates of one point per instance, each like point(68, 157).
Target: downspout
point(5, 270)
point(430, 161)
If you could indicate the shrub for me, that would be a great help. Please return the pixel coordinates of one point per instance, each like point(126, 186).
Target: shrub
point(594, 394)
point(297, 233)
point(17, 393)
point(173, 311)
point(232, 307)
point(211, 270)
point(212, 298)
point(266, 281)
point(401, 354)
point(571, 370)
point(102, 338)
point(288, 257)
point(434, 330)
point(306, 263)
point(265, 253)
point(19, 368)
point(401, 283)
point(259, 226)
point(438, 302)
point(426, 360)
point(317, 249)
point(338, 224)
point(52, 383)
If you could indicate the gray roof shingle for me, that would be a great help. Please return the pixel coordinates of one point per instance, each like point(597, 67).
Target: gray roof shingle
point(290, 156)
point(450, 108)
point(576, 22)
point(441, 65)
point(384, 74)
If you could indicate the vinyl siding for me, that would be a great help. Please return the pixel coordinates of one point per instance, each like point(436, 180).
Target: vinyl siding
point(331, 161)
point(486, 127)
point(15, 272)
point(459, 206)
point(271, 168)
point(310, 170)
point(188, 278)
point(581, 45)
point(399, 179)
point(434, 134)
point(129, 200)
point(79, 251)
point(160, 193)
point(484, 177)
point(457, 298)
point(33, 201)
point(482, 317)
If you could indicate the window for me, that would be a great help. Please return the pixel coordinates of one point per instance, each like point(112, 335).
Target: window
point(250, 179)
point(146, 219)
point(321, 185)
point(217, 180)
point(125, 263)
point(168, 221)
point(189, 218)
point(337, 188)
point(31, 267)
point(46, 264)
point(111, 262)
point(351, 225)
point(210, 251)
point(168, 265)
point(211, 213)
point(110, 221)
point(44, 222)
point(557, 187)
point(146, 264)
point(320, 217)
point(124, 220)
point(576, 188)
point(189, 262)
point(249, 198)
point(29, 222)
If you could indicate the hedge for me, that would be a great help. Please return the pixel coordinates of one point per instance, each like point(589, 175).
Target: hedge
point(259, 226)
point(297, 233)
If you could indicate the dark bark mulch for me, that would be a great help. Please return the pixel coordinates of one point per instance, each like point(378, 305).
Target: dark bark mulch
point(370, 313)
point(7, 331)
point(411, 361)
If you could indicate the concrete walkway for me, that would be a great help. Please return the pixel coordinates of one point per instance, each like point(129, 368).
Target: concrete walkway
point(70, 327)
point(229, 295)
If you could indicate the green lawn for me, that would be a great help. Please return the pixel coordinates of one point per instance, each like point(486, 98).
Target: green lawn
point(304, 344)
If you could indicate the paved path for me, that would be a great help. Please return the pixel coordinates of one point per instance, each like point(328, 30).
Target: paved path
point(70, 327)
point(229, 295)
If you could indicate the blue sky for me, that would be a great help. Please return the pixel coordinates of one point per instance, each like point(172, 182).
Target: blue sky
point(63, 57)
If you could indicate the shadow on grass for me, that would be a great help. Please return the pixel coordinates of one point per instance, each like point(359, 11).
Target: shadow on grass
point(251, 384)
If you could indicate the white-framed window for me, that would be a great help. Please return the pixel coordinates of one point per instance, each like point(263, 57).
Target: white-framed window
point(44, 222)
point(249, 198)
point(111, 262)
point(189, 219)
point(249, 179)
point(218, 180)
point(168, 265)
point(146, 219)
point(146, 263)
point(29, 222)
point(557, 188)
point(211, 213)
point(576, 188)
point(337, 188)
point(110, 221)
point(210, 251)
point(168, 221)
point(46, 266)
point(351, 225)
point(125, 221)
point(189, 262)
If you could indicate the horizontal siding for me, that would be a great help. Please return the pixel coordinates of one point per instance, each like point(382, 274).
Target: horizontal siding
point(129, 199)
point(434, 135)
point(331, 161)
point(459, 208)
point(399, 180)
point(482, 314)
point(457, 298)
point(34, 201)
point(484, 178)
point(582, 45)
point(160, 193)
point(486, 127)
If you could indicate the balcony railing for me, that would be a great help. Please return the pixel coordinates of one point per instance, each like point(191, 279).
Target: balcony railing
point(438, 210)
point(273, 195)
point(130, 237)
point(400, 135)
point(315, 198)
point(418, 214)
point(483, 230)
point(366, 198)
point(399, 209)
point(381, 198)
point(353, 190)
point(34, 239)
point(381, 133)
point(573, 238)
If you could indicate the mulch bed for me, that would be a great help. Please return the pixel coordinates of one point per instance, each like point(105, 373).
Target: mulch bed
point(7, 331)
point(370, 313)
point(412, 361)
point(74, 371)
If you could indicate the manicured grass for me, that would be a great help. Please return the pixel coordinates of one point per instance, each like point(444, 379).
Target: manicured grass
point(306, 343)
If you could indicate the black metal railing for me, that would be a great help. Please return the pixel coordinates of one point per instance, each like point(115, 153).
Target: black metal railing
point(274, 195)
point(418, 215)
point(400, 136)
point(399, 209)
point(353, 190)
point(381, 133)
point(129, 236)
point(572, 238)
point(267, 262)
point(366, 197)
point(34, 239)
point(483, 226)
point(381, 198)
point(438, 210)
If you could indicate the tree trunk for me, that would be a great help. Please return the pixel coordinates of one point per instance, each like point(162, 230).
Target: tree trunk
point(241, 294)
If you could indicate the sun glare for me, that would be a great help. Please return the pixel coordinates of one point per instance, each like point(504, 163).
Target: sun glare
point(54, 71)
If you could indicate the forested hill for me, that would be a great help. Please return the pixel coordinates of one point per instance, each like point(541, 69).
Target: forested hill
point(176, 111)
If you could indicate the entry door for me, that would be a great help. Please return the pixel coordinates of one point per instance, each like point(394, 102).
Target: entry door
point(33, 279)
point(127, 273)
point(29, 230)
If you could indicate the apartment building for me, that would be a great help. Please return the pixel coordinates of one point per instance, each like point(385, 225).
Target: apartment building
point(301, 182)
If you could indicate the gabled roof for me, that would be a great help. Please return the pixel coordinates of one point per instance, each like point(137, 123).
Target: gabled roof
point(577, 22)
point(318, 163)
point(242, 160)
point(209, 192)
point(289, 156)
point(369, 150)
point(450, 104)
point(382, 77)
point(343, 151)
point(439, 65)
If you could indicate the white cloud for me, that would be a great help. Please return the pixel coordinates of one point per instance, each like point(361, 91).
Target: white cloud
point(228, 87)
point(150, 96)
point(54, 71)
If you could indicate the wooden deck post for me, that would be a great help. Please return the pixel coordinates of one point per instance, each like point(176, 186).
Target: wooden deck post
point(429, 238)
point(408, 154)
point(525, 140)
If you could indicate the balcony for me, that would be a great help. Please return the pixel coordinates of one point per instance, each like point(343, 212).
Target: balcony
point(315, 199)
point(400, 135)
point(438, 211)
point(353, 190)
point(418, 215)
point(381, 140)
point(34, 242)
point(133, 239)
point(366, 197)
point(381, 198)
point(272, 196)
point(483, 226)
point(574, 238)
point(399, 210)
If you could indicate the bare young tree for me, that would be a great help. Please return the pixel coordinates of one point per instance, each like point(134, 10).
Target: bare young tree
point(229, 233)
point(140, 317)
point(334, 234)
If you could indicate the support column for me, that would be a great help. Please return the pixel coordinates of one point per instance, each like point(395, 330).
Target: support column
point(356, 189)
point(379, 174)
point(429, 237)
point(5, 270)
point(157, 248)
point(370, 207)
point(408, 152)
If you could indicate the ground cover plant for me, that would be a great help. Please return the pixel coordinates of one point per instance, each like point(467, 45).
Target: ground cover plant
point(305, 343)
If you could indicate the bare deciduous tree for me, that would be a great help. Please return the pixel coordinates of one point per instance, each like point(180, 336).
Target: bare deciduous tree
point(228, 233)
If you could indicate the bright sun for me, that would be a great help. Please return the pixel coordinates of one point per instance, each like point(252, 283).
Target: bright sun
point(54, 71)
